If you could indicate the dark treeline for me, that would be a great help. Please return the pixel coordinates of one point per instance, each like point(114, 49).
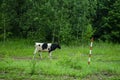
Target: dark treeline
point(61, 21)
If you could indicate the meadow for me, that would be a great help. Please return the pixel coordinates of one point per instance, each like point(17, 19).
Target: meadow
point(68, 63)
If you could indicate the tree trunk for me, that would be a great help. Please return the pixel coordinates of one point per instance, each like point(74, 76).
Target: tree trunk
point(53, 36)
point(4, 29)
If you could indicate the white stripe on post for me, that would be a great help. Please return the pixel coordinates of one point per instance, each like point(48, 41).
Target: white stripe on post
point(89, 59)
point(91, 44)
point(90, 52)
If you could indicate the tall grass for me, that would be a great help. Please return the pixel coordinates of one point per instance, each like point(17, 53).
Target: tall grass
point(16, 48)
point(68, 63)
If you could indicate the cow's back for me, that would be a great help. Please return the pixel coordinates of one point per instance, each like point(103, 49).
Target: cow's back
point(43, 46)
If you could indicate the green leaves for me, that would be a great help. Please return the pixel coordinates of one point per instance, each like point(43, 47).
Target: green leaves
point(107, 21)
point(62, 21)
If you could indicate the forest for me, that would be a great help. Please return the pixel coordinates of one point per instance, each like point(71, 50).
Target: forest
point(63, 21)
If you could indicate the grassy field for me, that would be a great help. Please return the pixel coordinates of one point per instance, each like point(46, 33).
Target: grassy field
point(68, 63)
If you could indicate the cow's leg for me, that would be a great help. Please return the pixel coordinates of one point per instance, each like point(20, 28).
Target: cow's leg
point(35, 51)
point(40, 54)
point(50, 54)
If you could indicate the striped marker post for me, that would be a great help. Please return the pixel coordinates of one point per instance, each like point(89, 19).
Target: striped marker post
point(91, 44)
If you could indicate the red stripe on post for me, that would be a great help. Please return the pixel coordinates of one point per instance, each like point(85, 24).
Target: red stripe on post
point(92, 39)
point(88, 62)
point(90, 48)
point(89, 55)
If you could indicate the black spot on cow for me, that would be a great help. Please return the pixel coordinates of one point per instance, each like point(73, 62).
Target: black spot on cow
point(54, 46)
point(44, 46)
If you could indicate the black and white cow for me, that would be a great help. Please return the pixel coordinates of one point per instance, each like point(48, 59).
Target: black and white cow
point(49, 47)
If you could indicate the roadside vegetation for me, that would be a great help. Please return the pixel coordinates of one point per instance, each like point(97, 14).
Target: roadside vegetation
point(67, 64)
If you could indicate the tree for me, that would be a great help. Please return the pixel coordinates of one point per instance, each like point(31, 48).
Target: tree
point(106, 22)
point(5, 20)
point(63, 21)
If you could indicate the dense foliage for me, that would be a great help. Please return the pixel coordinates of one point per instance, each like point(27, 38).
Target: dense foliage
point(61, 21)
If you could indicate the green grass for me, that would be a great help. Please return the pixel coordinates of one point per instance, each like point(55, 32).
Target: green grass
point(69, 63)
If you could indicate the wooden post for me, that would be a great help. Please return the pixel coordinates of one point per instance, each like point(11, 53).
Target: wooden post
point(90, 53)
